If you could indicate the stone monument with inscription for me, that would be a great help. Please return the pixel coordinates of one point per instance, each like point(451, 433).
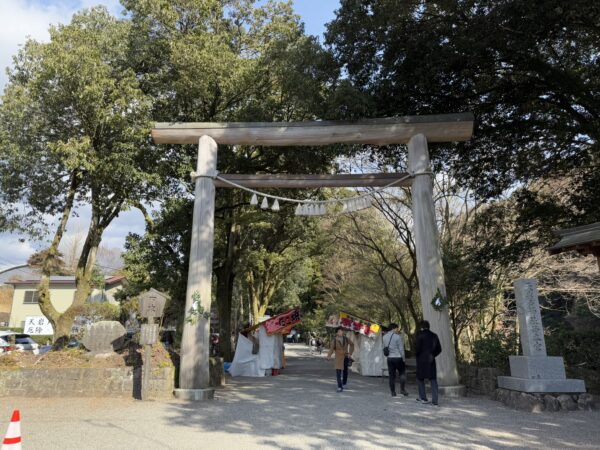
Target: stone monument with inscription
point(152, 305)
point(535, 371)
point(104, 337)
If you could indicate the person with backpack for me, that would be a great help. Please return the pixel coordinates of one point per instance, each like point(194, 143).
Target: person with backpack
point(394, 351)
point(343, 349)
point(427, 348)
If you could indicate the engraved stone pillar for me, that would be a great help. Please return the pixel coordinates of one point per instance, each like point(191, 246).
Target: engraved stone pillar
point(535, 371)
point(530, 318)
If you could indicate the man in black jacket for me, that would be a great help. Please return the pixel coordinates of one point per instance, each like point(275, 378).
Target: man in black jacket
point(428, 347)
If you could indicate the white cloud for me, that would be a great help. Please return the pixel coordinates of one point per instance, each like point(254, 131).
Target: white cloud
point(16, 249)
point(13, 251)
point(21, 19)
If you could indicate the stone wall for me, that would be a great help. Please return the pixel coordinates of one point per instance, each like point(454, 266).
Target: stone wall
point(479, 380)
point(524, 401)
point(90, 382)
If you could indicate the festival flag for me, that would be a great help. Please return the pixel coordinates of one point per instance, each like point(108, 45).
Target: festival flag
point(282, 322)
point(353, 323)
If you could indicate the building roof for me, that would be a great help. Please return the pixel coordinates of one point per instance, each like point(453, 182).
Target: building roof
point(8, 269)
point(584, 239)
point(59, 280)
point(22, 271)
point(114, 279)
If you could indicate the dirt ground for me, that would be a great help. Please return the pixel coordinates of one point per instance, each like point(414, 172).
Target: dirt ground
point(78, 358)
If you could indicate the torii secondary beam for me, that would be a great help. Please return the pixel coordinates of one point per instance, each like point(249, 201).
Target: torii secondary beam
point(296, 181)
point(393, 130)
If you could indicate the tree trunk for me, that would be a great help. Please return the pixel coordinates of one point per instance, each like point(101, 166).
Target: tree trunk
point(45, 302)
point(255, 307)
point(83, 276)
point(263, 310)
point(411, 306)
point(63, 329)
point(225, 278)
point(455, 331)
point(258, 308)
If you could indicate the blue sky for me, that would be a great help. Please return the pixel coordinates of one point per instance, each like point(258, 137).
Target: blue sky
point(316, 13)
point(31, 18)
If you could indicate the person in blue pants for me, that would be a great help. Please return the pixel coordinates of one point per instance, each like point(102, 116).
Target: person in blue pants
point(343, 349)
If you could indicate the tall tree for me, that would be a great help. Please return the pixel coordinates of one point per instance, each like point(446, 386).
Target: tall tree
point(277, 246)
point(382, 238)
point(228, 61)
point(528, 70)
point(75, 124)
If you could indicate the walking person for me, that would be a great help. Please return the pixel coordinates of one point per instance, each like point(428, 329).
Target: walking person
point(343, 349)
point(319, 344)
point(427, 348)
point(394, 343)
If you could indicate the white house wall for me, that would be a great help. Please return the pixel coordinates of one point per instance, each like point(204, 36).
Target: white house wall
point(61, 297)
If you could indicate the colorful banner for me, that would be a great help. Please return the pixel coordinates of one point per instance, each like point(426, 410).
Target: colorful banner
point(282, 323)
point(353, 323)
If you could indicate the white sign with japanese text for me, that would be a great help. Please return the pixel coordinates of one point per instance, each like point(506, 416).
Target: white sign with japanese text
point(37, 325)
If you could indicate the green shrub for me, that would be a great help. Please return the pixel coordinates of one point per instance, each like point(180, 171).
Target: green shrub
point(96, 312)
point(493, 350)
point(578, 348)
point(581, 352)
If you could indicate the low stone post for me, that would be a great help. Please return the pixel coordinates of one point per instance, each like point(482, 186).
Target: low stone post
point(152, 304)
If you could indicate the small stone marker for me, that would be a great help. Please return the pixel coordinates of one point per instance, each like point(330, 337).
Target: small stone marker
point(152, 305)
point(535, 371)
point(106, 336)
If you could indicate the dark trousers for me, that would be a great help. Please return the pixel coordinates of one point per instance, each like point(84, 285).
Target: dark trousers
point(434, 390)
point(342, 375)
point(396, 365)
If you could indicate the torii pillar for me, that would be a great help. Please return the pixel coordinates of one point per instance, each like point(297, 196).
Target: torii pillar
point(430, 270)
point(194, 375)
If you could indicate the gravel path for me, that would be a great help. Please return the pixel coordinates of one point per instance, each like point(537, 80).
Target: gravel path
point(297, 410)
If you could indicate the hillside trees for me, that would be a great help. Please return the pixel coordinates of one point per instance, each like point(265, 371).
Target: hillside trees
point(528, 71)
point(74, 131)
point(381, 238)
point(281, 245)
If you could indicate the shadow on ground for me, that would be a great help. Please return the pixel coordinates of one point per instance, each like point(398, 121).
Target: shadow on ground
point(301, 409)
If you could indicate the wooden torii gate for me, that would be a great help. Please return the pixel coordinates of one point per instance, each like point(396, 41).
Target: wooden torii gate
point(416, 131)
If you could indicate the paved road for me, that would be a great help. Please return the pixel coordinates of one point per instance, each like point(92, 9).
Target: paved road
point(297, 410)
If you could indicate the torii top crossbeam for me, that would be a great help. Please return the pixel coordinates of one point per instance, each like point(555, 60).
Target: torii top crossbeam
point(394, 130)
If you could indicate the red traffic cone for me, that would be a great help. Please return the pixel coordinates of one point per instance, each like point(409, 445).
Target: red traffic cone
point(12, 440)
